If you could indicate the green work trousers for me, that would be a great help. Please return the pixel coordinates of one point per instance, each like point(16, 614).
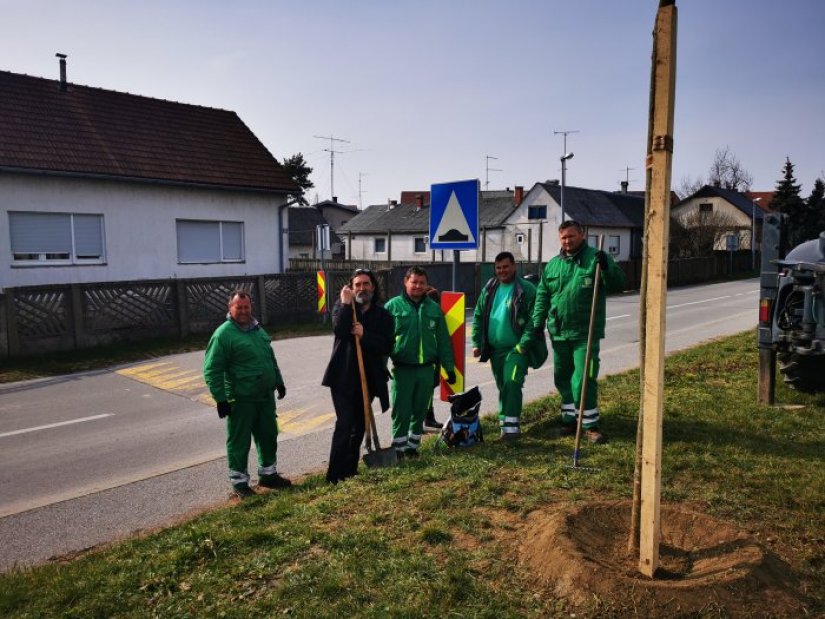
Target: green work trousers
point(568, 373)
point(250, 419)
point(509, 369)
point(412, 394)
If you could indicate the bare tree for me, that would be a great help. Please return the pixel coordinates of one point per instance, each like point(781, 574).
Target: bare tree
point(688, 186)
point(727, 172)
point(697, 233)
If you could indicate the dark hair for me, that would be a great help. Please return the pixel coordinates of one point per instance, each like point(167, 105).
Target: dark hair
point(505, 255)
point(415, 270)
point(571, 223)
point(240, 293)
point(376, 288)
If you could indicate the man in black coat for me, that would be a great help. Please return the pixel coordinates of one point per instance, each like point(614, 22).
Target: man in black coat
point(375, 327)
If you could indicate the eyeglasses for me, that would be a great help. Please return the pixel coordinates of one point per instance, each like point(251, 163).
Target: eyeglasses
point(363, 272)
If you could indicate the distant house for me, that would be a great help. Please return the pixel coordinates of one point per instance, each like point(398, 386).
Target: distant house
point(731, 217)
point(400, 232)
point(335, 213)
point(303, 243)
point(525, 225)
point(618, 216)
point(97, 185)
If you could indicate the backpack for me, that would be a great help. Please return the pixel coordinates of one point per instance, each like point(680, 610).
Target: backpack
point(463, 428)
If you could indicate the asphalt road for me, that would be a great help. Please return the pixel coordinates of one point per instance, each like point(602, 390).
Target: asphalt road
point(90, 458)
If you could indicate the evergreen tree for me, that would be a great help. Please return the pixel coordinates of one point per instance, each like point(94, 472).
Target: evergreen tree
point(816, 209)
point(298, 170)
point(787, 200)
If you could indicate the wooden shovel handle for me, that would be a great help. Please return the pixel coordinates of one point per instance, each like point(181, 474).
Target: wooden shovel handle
point(362, 374)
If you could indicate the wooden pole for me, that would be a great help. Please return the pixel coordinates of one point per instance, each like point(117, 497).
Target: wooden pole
point(657, 230)
point(633, 538)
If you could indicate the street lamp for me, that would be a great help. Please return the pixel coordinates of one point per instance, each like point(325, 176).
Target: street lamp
point(564, 159)
point(753, 232)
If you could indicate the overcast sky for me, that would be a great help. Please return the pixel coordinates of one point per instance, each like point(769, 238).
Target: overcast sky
point(424, 90)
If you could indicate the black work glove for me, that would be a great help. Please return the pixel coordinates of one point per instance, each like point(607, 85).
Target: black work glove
point(451, 378)
point(224, 409)
point(281, 389)
point(601, 258)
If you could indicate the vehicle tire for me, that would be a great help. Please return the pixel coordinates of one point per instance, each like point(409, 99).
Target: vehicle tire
point(803, 372)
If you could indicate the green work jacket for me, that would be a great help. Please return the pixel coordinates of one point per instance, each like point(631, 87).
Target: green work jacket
point(565, 295)
point(421, 336)
point(240, 365)
point(521, 311)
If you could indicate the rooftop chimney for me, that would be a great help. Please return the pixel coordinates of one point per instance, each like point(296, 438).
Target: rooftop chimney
point(624, 186)
point(62, 57)
point(335, 199)
point(419, 201)
point(518, 197)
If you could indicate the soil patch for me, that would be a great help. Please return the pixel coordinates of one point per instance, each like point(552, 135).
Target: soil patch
point(706, 565)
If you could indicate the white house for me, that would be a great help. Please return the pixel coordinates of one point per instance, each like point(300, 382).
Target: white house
point(734, 217)
point(97, 185)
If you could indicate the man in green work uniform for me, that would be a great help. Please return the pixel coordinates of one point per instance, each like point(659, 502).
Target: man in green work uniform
point(563, 301)
point(241, 372)
point(502, 333)
point(421, 343)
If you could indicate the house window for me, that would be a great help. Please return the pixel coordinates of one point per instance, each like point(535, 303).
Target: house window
point(380, 245)
point(420, 244)
point(56, 238)
point(593, 240)
point(520, 239)
point(537, 211)
point(706, 207)
point(613, 244)
point(203, 242)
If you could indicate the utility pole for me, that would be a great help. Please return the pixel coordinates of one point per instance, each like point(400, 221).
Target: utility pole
point(360, 191)
point(488, 169)
point(331, 150)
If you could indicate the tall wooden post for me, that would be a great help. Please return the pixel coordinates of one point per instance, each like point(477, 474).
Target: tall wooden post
point(657, 231)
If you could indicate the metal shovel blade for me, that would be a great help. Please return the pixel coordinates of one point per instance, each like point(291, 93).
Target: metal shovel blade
point(380, 457)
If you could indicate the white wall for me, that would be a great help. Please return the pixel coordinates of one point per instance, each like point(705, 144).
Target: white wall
point(140, 232)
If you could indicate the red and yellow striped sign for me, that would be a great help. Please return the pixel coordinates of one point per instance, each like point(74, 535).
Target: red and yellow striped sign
point(452, 304)
point(321, 280)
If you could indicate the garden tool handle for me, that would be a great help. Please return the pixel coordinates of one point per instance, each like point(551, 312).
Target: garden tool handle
point(590, 330)
point(364, 390)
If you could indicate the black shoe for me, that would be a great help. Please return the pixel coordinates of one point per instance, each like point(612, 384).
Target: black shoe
point(431, 423)
point(410, 454)
point(509, 437)
point(274, 482)
point(568, 429)
point(243, 492)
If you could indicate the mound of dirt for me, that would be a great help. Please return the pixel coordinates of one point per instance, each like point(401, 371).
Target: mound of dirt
point(580, 554)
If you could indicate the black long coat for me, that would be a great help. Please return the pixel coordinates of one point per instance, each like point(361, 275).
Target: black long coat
point(376, 344)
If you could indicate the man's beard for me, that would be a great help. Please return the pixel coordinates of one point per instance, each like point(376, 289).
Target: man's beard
point(363, 297)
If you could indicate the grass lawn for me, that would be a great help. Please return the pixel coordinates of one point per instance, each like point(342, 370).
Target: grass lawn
point(441, 536)
point(67, 362)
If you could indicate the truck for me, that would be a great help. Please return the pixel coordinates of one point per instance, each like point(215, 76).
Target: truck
point(791, 327)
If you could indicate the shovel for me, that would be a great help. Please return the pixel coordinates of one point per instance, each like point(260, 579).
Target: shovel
point(375, 456)
point(590, 329)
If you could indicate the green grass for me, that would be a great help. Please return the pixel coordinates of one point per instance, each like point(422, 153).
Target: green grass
point(67, 362)
point(440, 536)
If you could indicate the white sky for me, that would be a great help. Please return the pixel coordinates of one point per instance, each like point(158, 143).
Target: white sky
point(425, 89)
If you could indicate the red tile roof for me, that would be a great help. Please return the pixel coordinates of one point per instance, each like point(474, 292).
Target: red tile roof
point(91, 131)
point(765, 198)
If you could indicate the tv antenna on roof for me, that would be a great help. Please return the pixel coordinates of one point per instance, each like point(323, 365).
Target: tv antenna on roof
point(331, 150)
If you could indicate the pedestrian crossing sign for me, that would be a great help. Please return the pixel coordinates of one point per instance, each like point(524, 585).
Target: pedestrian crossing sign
point(454, 215)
